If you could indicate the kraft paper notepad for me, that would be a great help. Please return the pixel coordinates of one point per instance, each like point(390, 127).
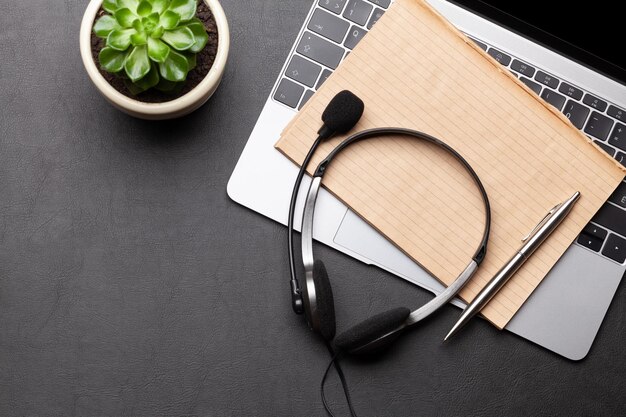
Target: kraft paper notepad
point(415, 70)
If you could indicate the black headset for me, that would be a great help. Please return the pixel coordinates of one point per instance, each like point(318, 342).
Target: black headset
point(315, 298)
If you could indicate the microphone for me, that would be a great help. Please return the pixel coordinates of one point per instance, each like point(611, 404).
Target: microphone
point(342, 113)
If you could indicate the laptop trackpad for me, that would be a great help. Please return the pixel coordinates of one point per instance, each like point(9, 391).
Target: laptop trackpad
point(566, 310)
point(357, 236)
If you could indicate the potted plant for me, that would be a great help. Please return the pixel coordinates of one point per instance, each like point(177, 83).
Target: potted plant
point(155, 59)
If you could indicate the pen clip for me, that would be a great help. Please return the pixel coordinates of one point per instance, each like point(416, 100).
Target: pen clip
point(542, 222)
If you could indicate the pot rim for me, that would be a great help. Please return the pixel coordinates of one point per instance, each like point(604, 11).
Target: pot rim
point(190, 99)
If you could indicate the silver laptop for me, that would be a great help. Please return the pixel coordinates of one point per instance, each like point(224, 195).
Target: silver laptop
point(588, 85)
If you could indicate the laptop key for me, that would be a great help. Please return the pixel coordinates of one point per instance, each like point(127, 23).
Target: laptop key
point(307, 95)
point(328, 25)
point(325, 74)
point(523, 68)
point(619, 195)
point(606, 148)
point(615, 248)
point(618, 136)
point(554, 98)
point(533, 85)
point(617, 113)
point(335, 6)
point(358, 11)
point(595, 102)
point(571, 91)
point(501, 57)
point(378, 13)
point(599, 126)
point(546, 79)
point(595, 231)
point(289, 93)
point(303, 71)
point(354, 36)
point(381, 3)
point(576, 113)
point(320, 50)
point(481, 45)
point(621, 158)
point(592, 237)
point(612, 218)
point(590, 242)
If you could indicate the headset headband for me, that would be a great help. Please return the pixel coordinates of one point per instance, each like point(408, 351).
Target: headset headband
point(310, 304)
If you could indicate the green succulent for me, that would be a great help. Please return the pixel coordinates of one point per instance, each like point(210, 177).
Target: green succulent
point(150, 43)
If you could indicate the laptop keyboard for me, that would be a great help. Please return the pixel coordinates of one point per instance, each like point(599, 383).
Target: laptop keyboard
point(333, 30)
point(336, 27)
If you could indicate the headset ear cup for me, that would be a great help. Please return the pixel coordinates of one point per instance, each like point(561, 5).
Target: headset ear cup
point(377, 327)
point(325, 301)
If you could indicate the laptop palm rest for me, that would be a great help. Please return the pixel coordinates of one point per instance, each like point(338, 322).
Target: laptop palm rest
point(563, 314)
point(357, 236)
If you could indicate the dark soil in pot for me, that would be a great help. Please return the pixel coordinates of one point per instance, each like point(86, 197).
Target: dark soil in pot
point(205, 60)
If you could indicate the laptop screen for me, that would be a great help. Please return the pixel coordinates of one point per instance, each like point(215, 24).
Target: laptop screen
point(590, 33)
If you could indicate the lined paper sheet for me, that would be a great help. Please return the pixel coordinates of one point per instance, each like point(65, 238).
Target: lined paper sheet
point(415, 70)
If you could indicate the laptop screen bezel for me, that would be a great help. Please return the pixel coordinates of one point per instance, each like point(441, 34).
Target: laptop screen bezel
point(544, 38)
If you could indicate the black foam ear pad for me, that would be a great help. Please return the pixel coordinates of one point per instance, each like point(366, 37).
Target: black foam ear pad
point(325, 301)
point(371, 329)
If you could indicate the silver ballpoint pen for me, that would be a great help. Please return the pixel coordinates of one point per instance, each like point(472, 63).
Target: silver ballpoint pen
point(531, 242)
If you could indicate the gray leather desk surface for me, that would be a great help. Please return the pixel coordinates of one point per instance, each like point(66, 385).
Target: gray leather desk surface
point(130, 285)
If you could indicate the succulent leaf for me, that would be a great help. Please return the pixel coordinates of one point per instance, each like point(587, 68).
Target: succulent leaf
point(129, 4)
point(160, 6)
point(109, 5)
point(138, 39)
point(175, 67)
point(120, 39)
point(157, 33)
point(105, 25)
point(125, 17)
point(112, 60)
point(158, 51)
point(191, 60)
point(132, 87)
point(144, 8)
point(138, 25)
point(169, 20)
point(200, 36)
point(137, 63)
point(180, 39)
point(186, 9)
point(150, 80)
point(151, 21)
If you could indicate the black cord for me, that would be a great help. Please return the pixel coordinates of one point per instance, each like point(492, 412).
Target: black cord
point(344, 384)
point(326, 406)
point(292, 209)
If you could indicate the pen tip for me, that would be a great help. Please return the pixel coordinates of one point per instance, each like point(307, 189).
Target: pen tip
point(454, 330)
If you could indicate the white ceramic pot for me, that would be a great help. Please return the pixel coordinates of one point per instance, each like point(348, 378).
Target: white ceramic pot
point(158, 111)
